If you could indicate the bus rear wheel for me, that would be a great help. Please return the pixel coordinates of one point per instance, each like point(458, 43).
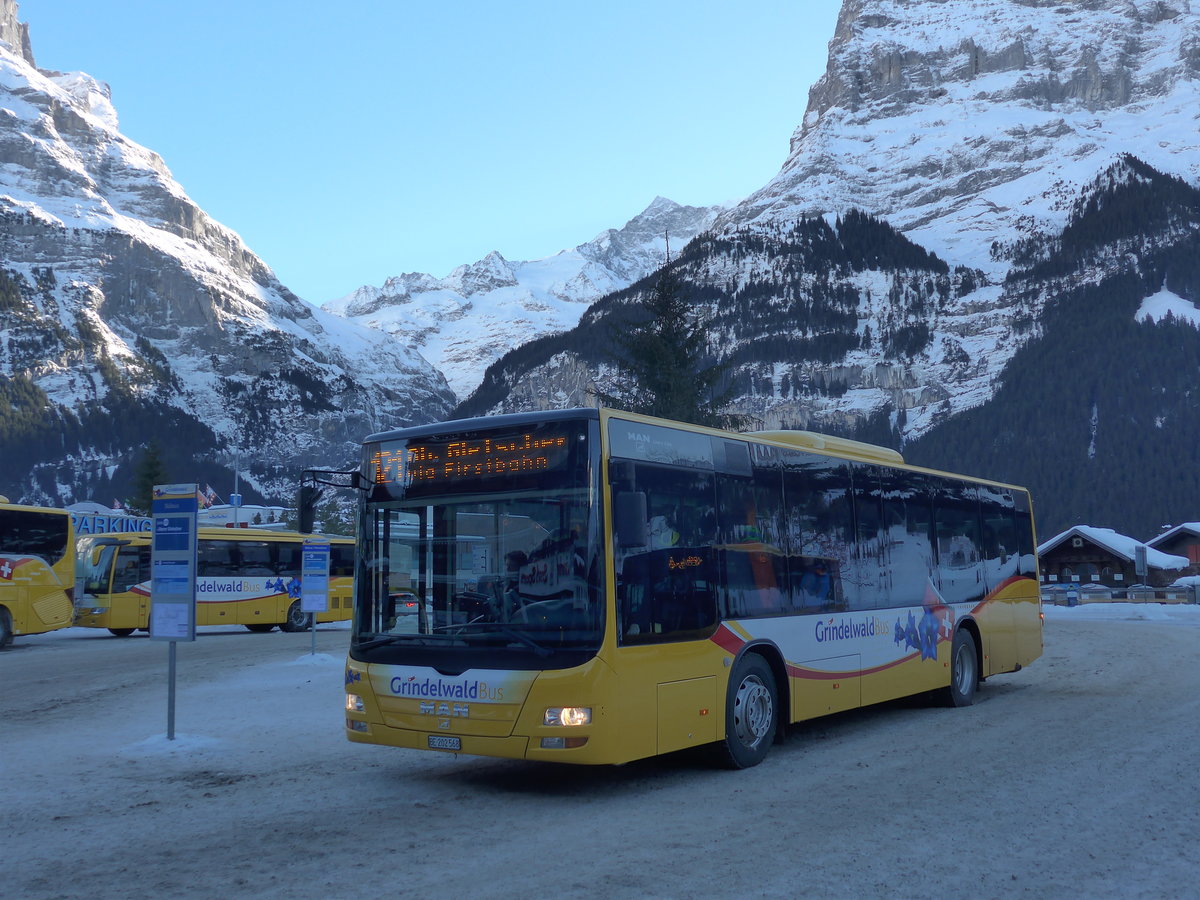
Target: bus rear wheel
point(297, 619)
point(964, 671)
point(751, 713)
point(121, 632)
point(260, 627)
point(6, 628)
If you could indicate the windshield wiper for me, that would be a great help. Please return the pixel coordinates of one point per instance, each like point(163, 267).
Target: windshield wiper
point(519, 636)
point(415, 637)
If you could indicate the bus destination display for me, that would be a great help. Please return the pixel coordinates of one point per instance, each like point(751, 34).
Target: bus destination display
point(468, 460)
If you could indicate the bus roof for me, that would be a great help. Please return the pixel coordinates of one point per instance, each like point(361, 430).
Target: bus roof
point(228, 533)
point(844, 448)
point(457, 425)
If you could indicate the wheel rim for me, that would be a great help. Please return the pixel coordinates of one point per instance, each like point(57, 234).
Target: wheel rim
point(964, 670)
point(753, 712)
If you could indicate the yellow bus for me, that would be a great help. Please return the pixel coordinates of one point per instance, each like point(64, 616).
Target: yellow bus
point(244, 576)
point(590, 586)
point(37, 570)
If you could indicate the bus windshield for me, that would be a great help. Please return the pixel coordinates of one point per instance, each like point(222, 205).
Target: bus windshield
point(498, 565)
point(95, 557)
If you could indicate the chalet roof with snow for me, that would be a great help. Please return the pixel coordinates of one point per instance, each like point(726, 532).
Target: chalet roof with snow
point(1192, 528)
point(1119, 545)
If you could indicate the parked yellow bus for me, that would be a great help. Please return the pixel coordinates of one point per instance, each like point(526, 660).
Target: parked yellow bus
point(244, 576)
point(37, 570)
point(591, 586)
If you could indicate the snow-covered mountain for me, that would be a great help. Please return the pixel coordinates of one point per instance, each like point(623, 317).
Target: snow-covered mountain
point(130, 315)
point(464, 322)
point(970, 124)
point(972, 127)
point(930, 217)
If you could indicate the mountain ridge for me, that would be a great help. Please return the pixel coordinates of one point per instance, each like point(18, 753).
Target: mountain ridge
point(132, 315)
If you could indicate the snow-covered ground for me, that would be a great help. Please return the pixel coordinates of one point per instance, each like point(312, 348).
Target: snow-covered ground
point(1072, 778)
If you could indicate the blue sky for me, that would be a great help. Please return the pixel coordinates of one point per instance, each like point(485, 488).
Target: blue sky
point(350, 142)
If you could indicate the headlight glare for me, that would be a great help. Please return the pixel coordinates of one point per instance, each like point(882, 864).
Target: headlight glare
point(569, 716)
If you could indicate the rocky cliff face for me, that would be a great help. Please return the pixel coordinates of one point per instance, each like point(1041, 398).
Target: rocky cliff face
point(970, 124)
point(13, 32)
point(131, 315)
point(464, 322)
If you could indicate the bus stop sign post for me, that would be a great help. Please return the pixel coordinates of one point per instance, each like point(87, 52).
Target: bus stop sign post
point(314, 583)
point(173, 576)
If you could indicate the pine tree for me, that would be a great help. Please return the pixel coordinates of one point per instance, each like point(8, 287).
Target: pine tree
point(663, 362)
point(151, 470)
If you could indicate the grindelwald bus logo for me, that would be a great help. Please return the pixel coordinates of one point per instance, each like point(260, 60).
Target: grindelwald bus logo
point(845, 629)
point(437, 689)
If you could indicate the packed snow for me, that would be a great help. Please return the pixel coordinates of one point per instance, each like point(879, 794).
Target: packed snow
point(1071, 778)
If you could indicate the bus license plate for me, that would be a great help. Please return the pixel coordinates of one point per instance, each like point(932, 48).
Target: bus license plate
point(438, 742)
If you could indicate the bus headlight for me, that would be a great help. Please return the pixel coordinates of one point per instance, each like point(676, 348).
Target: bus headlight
point(568, 715)
point(354, 703)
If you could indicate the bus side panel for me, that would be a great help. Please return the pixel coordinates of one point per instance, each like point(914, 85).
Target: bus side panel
point(667, 697)
point(996, 628)
point(1027, 616)
point(128, 609)
point(262, 608)
point(824, 686)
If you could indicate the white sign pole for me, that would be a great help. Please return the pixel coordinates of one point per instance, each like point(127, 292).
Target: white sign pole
point(173, 575)
point(314, 582)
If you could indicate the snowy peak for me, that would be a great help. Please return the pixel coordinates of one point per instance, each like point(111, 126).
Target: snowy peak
point(973, 122)
point(13, 32)
point(465, 321)
point(489, 274)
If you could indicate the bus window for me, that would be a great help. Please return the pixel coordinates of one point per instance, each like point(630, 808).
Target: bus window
point(907, 530)
point(287, 562)
point(214, 559)
point(30, 533)
point(131, 567)
point(818, 526)
point(1026, 546)
point(254, 558)
point(752, 561)
point(665, 589)
point(862, 573)
point(341, 561)
point(999, 537)
point(956, 521)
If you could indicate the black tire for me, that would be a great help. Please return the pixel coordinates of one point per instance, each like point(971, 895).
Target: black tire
point(297, 619)
point(751, 713)
point(121, 632)
point(260, 627)
point(964, 671)
point(6, 628)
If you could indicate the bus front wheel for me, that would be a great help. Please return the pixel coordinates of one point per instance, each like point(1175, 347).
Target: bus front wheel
point(297, 619)
point(121, 632)
point(6, 628)
point(751, 713)
point(964, 671)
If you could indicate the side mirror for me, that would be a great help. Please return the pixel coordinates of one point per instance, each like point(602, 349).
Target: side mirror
point(631, 519)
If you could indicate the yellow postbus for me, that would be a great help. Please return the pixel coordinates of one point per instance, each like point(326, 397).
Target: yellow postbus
point(37, 570)
point(591, 586)
point(244, 576)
